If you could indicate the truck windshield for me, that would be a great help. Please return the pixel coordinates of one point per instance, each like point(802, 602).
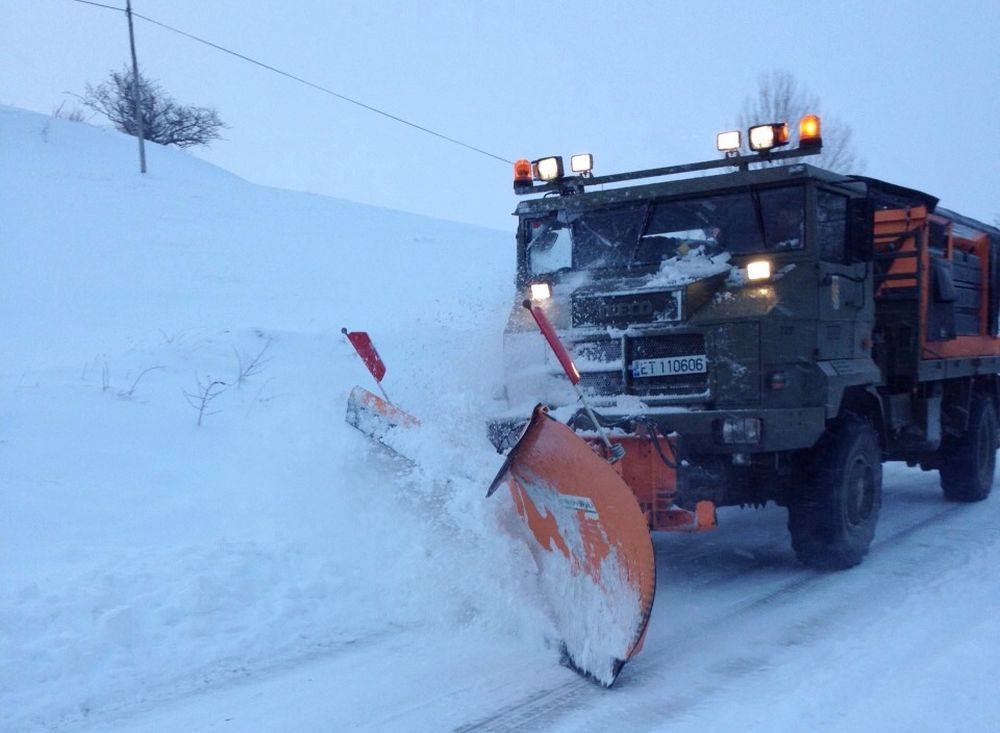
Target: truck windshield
point(647, 233)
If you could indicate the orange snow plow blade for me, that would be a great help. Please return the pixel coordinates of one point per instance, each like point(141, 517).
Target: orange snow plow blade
point(590, 540)
point(379, 419)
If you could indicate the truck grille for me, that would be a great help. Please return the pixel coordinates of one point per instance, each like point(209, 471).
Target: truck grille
point(600, 365)
point(654, 347)
point(603, 351)
point(626, 310)
point(602, 384)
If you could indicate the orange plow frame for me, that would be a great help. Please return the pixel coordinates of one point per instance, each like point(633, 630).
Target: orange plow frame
point(654, 484)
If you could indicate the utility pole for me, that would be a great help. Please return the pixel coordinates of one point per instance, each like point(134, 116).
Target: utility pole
point(136, 107)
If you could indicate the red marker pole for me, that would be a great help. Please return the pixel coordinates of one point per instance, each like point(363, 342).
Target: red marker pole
point(362, 343)
point(615, 451)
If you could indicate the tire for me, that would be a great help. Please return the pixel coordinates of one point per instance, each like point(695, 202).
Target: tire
point(833, 516)
point(968, 462)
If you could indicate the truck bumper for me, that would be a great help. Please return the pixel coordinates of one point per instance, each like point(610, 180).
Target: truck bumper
point(702, 431)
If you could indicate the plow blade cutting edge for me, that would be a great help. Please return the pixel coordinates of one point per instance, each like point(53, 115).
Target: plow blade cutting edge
point(590, 540)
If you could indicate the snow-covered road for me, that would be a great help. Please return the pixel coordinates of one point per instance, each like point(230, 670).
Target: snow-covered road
point(742, 638)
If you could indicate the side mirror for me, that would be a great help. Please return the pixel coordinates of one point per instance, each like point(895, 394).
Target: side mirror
point(860, 230)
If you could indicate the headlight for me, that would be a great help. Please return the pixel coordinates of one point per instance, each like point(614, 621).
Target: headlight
point(741, 430)
point(540, 291)
point(758, 270)
point(548, 169)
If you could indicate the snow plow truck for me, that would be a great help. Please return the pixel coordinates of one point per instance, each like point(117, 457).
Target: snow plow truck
point(773, 333)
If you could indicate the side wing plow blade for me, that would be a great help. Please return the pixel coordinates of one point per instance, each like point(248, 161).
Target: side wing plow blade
point(379, 419)
point(591, 542)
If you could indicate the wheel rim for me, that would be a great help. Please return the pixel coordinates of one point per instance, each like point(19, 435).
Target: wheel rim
point(860, 492)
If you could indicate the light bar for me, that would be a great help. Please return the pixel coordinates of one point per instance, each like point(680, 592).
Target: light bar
point(548, 169)
point(728, 142)
point(581, 163)
point(765, 137)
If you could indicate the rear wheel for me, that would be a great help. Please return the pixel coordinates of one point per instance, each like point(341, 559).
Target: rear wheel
point(968, 462)
point(833, 514)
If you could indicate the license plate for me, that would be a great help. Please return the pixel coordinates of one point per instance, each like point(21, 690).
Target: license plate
point(669, 366)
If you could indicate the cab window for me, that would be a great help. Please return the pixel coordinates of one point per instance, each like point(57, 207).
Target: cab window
point(831, 218)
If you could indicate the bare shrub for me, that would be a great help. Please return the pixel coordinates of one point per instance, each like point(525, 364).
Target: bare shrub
point(72, 115)
point(127, 393)
point(208, 391)
point(250, 366)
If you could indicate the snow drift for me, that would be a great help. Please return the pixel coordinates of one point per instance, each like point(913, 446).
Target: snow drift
point(145, 556)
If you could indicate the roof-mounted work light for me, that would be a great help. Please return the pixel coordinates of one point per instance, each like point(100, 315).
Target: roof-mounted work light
point(548, 169)
point(582, 163)
point(728, 142)
point(765, 137)
point(809, 132)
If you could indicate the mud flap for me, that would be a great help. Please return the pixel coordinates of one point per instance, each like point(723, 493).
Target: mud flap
point(591, 541)
point(379, 419)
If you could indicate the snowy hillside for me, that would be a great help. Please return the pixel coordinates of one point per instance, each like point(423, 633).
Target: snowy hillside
point(144, 556)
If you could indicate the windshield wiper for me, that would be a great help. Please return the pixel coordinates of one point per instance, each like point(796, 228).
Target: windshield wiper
point(647, 214)
point(758, 216)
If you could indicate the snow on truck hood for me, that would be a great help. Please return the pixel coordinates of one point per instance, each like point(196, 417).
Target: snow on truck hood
point(675, 272)
point(688, 268)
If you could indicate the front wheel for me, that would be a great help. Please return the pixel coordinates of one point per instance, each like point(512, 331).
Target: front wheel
point(832, 515)
point(968, 462)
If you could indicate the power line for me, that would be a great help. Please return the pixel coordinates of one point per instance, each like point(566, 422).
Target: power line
point(100, 5)
point(293, 77)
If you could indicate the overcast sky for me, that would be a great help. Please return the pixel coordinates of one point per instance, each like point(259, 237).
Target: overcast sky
point(639, 84)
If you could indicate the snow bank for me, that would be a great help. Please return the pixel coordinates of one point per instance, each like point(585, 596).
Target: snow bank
point(145, 556)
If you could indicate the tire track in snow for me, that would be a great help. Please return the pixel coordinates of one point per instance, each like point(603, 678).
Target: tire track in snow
point(548, 706)
point(761, 642)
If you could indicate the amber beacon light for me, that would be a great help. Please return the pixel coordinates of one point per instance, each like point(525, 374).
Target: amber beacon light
point(809, 132)
point(522, 171)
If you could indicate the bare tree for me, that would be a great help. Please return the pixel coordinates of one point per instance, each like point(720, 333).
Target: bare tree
point(164, 120)
point(780, 98)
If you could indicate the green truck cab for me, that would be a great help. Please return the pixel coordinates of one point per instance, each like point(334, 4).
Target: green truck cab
point(789, 328)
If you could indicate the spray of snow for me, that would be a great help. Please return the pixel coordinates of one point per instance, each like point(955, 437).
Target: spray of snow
point(596, 618)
